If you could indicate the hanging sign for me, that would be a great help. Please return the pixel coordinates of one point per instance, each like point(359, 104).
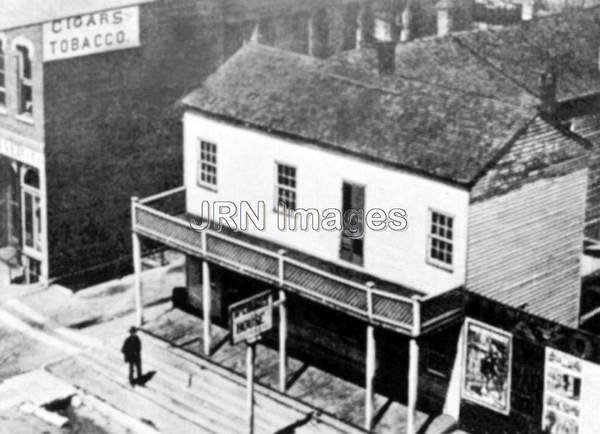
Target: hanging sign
point(249, 318)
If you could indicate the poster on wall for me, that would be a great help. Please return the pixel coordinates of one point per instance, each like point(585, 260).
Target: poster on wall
point(562, 393)
point(487, 366)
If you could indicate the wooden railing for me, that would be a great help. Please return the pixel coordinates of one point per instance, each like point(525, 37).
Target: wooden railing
point(360, 299)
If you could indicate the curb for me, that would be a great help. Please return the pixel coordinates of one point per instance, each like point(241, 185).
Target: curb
point(42, 336)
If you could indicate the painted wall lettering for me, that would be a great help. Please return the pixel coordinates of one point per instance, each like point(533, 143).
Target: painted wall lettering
point(93, 33)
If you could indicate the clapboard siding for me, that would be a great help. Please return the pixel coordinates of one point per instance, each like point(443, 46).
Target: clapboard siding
point(589, 128)
point(524, 246)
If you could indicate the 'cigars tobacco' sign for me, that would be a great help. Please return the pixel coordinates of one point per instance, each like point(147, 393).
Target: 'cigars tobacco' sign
point(92, 33)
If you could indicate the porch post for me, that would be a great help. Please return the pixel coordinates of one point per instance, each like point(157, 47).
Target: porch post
point(282, 327)
point(45, 275)
point(250, 356)
point(206, 302)
point(137, 266)
point(413, 369)
point(137, 279)
point(370, 376)
point(371, 360)
point(282, 341)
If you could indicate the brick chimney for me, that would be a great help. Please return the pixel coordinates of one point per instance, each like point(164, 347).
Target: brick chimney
point(406, 18)
point(386, 57)
point(387, 28)
point(527, 9)
point(364, 32)
point(548, 89)
point(318, 34)
point(444, 17)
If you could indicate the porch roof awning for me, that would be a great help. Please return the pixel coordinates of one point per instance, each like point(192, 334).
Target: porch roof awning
point(357, 293)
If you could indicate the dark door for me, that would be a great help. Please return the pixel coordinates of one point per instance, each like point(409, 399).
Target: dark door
point(10, 215)
point(353, 205)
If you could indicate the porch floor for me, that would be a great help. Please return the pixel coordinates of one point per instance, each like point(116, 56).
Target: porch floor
point(338, 397)
point(109, 306)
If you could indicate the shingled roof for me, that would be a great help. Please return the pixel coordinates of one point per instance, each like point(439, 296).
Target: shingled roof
point(568, 41)
point(446, 63)
point(19, 13)
point(432, 129)
point(505, 61)
point(449, 109)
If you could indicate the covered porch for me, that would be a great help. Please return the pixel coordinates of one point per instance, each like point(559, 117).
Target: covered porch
point(381, 307)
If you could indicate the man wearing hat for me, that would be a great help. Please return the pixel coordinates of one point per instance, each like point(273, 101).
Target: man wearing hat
point(132, 348)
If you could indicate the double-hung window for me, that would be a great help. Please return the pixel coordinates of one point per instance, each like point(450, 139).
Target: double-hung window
point(24, 81)
point(207, 164)
point(441, 247)
point(285, 188)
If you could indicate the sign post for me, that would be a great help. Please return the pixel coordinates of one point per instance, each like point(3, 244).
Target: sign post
point(250, 352)
point(248, 319)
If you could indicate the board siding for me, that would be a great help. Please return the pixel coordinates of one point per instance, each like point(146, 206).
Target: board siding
point(524, 247)
point(589, 128)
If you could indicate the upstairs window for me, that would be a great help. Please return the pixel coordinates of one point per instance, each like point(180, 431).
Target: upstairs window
point(441, 249)
point(2, 72)
point(207, 164)
point(285, 189)
point(24, 82)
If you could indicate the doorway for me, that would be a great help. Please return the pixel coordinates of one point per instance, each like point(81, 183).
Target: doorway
point(353, 205)
point(31, 224)
point(10, 214)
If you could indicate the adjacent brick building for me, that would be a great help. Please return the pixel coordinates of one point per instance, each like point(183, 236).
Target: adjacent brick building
point(88, 117)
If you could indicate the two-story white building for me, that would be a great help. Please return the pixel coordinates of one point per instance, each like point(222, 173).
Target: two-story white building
point(450, 188)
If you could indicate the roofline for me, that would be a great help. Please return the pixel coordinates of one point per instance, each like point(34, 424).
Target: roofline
point(581, 141)
point(464, 185)
point(525, 23)
point(522, 26)
point(505, 149)
point(92, 11)
point(587, 144)
point(386, 89)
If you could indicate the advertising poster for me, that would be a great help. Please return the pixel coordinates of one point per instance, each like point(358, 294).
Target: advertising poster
point(562, 393)
point(487, 367)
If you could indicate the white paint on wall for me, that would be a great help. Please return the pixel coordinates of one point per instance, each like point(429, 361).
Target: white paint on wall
point(92, 33)
point(572, 406)
point(590, 397)
point(22, 149)
point(246, 172)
